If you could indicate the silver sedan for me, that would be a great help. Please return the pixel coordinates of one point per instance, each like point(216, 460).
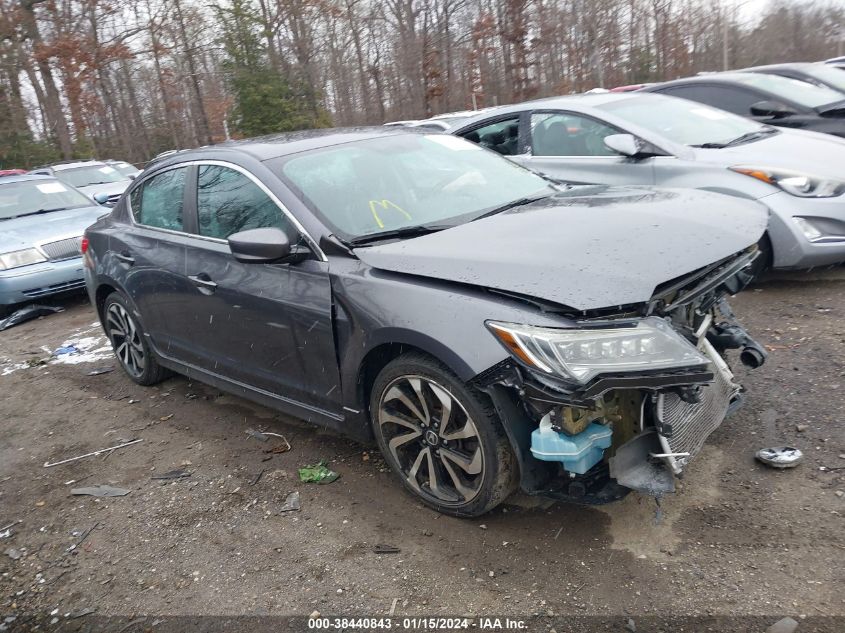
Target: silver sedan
point(649, 139)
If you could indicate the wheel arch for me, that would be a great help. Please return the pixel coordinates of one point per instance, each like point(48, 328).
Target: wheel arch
point(100, 296)
point(378, 357)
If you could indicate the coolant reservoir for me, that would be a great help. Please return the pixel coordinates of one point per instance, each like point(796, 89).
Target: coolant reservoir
point(578, 453)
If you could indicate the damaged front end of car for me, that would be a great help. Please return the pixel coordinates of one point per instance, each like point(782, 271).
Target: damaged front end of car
point(625, 398)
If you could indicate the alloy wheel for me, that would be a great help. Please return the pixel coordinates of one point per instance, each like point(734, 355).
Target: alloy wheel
point(126, 339)
point(434, 442)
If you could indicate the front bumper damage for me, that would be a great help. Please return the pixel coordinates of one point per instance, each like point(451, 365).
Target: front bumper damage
point(659, 420)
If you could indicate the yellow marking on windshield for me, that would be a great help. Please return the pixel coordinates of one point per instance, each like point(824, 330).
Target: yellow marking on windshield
point(386, 205)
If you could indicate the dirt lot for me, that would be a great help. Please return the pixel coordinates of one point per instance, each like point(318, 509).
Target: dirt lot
point(738, 540)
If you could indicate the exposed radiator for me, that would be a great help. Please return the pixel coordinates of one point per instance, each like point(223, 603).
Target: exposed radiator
point(692, 423)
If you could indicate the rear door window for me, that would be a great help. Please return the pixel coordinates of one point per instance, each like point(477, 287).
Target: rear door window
point(501, 136)
point(158, 201)
point(229, 202)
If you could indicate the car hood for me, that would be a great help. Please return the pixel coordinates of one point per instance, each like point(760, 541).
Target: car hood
point(587, 248)
point(29, 230)
point(800, 150)
point(109, 188)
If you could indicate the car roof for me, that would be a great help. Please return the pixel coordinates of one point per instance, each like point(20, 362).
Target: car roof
point(582, 102)
point(71, 164)
point(729, 76)
point(24, 178)
point(789, 66)
point(276, 145)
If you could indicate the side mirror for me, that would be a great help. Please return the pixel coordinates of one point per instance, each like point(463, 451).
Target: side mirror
point(101, 198)
point(774, 109)
point(264, 246)
point(625, 144)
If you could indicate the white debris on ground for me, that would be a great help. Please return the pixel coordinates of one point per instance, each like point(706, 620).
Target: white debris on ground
point(89, 345)
point(90, 349)
point(8, 366)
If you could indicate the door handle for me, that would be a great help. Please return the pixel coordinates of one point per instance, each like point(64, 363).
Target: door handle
point(125, 257)
point(202, 282)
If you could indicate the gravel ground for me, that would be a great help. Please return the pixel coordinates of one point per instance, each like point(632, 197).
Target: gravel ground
point(737, 540)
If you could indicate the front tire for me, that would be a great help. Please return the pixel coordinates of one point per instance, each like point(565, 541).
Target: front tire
point(764, 260)
point(441, 437)
point(130, 345)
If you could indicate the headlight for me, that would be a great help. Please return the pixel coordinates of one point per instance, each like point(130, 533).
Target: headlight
point(801, 185)
point(16, 259)
point(583, 353)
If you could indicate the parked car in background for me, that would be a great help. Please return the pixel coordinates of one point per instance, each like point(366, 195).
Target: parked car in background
point(440, 122)
point(646, 139)
point(41, 224)
point(123, 168)
point(11, 172)
point(448, 120)
point(836, 60)
point(818, 74)
point(766, 98)
point(630, 88)
point(488, 329)
point(101, 182)
point(403, 123)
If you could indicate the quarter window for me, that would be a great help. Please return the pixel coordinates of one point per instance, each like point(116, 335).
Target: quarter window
point(565, 134)
point(228, 202)
point(158, 201)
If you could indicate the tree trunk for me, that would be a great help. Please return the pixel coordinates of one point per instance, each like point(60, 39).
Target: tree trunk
point(52, 103)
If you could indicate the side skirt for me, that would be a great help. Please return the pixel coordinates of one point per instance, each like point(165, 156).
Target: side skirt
point(294, 408)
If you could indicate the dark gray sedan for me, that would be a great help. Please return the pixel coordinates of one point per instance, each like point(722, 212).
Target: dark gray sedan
point(487, 328)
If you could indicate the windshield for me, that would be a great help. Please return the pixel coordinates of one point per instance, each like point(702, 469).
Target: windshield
point(683, 121)
point(124, 169)
point(795, 90)
point(398, 182)
point(831, 75)
point(89, 175)
point(33, 196)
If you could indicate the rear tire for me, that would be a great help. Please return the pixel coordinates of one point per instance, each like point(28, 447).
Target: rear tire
point(442, 438)
point(129, 342)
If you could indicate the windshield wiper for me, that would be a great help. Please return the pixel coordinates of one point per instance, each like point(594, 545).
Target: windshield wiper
point(39, 212)
point(751, 136)
point(408, 231)
point(739, 140)
point(510, 205)
point(104, 182)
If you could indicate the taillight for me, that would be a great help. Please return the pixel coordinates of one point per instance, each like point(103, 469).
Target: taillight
point(83, 245)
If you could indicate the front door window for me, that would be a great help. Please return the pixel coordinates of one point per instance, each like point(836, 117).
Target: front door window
point(566, 134)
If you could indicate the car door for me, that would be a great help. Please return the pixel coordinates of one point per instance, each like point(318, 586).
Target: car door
point(149, 258)
point(570, 146)
point(264, 325)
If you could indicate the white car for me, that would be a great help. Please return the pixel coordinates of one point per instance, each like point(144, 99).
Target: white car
point(637, 138)
point(101, 182)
